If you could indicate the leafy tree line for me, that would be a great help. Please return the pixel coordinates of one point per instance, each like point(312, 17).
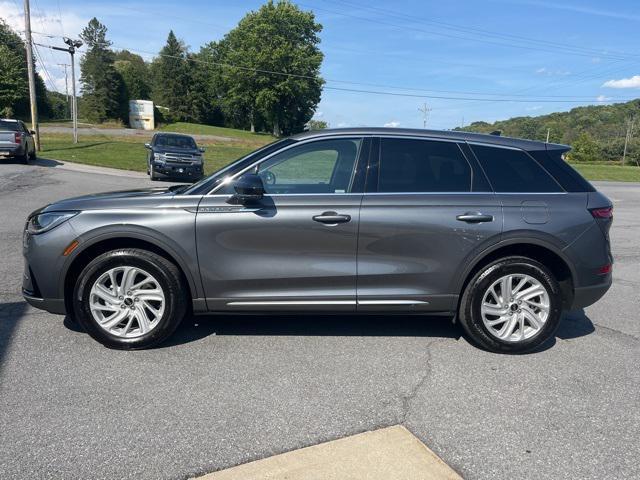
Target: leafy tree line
point(14, 83)
point(596, 132)
point(262, 76)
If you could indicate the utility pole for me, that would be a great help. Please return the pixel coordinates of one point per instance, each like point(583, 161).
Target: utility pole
point(66, 88)
point(32, 81)
point(627, 138)
point(425, 114)
point(548, 133)
point(73, 45)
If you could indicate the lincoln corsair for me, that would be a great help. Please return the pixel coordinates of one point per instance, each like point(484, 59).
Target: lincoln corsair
point(500, 234)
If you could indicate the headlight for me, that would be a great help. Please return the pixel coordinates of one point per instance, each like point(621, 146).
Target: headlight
point(43, 222)
point(159, 157)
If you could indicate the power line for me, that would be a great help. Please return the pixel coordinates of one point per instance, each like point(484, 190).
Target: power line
point(271, 72)
point(484, 32)
point(459, 37)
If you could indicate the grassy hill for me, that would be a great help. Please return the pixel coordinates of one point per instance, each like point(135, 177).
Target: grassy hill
point(596, 132)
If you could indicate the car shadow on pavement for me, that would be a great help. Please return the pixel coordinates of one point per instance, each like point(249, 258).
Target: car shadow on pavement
point(47, 162)
point(10, 315)
point(197, 327)
point(193, 328)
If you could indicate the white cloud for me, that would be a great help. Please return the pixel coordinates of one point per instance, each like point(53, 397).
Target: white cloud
point(318, 115)
point(534, 108)
point(633, 82)
point(392, 124)
point(342, 124)
point(602, 98)
point(550, 72)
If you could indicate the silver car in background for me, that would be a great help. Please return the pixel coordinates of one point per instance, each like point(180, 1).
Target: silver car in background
point(16, 140)
point(500, 234)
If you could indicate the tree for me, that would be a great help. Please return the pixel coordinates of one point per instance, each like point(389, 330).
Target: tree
point(135, 74)
point(103, 90)
point(585, 149)
point(270, 66)
point(13, 77)
point(170, 72)
point(317, 124)
point(12, 82)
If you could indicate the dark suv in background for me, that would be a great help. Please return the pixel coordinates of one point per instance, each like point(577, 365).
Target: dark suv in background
point(174, 156)
point(501, 234)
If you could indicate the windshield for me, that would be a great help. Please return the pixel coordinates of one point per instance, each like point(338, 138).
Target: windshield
point(207, 184)
point(11, 126)
point(174, 141)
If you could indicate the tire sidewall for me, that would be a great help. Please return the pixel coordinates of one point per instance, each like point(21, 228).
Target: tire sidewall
point(485, 278)
point(110, 260)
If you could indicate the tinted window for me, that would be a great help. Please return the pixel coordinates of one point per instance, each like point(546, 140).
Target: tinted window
point(514, 171)
point(11, 126)
point(408, 165)
point(564, 173)
point(174, 141)
point(325, 166)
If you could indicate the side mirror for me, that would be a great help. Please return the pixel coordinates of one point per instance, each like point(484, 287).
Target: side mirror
point(147, 145)
point(202, 149)
point(248, 188)
point(32, 132)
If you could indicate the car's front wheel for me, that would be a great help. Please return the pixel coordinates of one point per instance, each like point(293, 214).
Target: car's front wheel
point(130, 299)
point(152, 173)
point(512, 305)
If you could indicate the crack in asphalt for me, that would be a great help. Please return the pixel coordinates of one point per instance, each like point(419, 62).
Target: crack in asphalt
point(24, 180)
point(413, 392)
point(617, 332)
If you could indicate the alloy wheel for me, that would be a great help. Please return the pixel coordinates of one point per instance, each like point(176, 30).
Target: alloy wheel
point(515, 307)
point(127, 301)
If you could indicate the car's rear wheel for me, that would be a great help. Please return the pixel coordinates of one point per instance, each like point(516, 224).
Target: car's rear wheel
point(32, 155)
point(512, 305)
point(130, 299)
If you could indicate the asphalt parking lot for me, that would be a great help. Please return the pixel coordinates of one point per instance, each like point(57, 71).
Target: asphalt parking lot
point(228, 390)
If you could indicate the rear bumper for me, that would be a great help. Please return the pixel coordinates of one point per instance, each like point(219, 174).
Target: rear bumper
point(51, 305)
point(11, 151)
point(585, 296)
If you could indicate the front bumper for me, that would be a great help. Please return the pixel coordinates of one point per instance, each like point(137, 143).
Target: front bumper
point(51, 305)
point(178, 170)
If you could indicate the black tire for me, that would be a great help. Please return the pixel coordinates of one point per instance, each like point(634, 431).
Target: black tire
point(24, 159)
point(152, 173)
point(32, 155)
point(469, 312)
point(168, 277)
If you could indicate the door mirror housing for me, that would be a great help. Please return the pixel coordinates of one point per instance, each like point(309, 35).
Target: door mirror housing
point(32, 132)
point(248, 188)
point(147, 146)
point(202, 149)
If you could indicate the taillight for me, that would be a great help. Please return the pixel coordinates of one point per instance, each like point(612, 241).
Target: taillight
point(18, 138)
point(606, 212)
point(605, 269)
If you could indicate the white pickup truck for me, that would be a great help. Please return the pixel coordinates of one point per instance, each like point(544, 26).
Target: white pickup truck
point(16, 140)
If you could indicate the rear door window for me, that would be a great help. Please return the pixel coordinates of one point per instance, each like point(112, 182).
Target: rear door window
point(422, 166)
point(513, 171)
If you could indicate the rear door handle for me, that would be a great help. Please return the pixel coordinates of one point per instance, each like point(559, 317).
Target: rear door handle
point(331, 218)
point(474, 217)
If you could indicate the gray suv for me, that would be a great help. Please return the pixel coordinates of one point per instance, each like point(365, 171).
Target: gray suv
point(499, 233)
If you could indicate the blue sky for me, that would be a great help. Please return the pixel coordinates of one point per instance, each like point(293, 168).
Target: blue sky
point(549, 55)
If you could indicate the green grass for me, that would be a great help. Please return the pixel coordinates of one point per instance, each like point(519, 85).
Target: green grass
point(197, 129)
point(128, 153)
point(612, 172)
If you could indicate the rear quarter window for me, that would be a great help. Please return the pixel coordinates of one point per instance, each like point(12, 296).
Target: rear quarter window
point(514, 171)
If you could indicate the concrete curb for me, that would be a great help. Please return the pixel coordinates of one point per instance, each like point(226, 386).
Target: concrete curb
point(391, 453)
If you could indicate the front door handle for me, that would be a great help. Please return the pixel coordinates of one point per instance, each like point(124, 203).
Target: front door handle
point(474, 217)
point(331, 218)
